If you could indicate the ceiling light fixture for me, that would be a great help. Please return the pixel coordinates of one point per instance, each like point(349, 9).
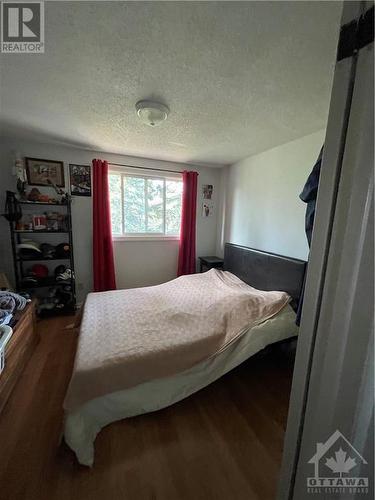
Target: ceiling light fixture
point(152, 113)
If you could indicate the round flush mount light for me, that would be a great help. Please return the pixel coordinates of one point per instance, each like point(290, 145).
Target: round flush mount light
point(152, 113)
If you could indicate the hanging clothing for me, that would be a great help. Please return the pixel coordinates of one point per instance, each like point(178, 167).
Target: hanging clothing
point(186, 255)
point(308, 195)
point(104, 267)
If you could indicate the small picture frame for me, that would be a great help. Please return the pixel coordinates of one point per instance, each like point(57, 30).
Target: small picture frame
point(44, 172)
point(80, 180)
point(207, 190)
point(207, 209)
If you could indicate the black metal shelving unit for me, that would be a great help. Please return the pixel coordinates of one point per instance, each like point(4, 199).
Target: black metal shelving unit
point(23, 282)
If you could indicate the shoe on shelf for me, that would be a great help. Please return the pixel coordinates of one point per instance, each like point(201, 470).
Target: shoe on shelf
point(64, 276)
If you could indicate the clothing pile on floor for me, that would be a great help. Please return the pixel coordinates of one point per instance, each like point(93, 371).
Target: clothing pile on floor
point(10, 302)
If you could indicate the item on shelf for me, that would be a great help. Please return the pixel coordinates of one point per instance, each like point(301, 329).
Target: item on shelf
point(63, 251)
point(43, 306)
point(20, 226)
point(29, 249)
point(39, 222)
point(48, 250)
point(64, 276)
point(29, 280)
point(65, 298)
point(13, 210)
point(59, 270)
point(61, 192)
point(55, 221)
point(25, 224)
point(36, 196)
point(39, 271)
point(56, 299)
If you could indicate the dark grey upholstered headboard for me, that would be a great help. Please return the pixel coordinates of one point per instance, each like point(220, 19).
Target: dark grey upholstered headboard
point(265, 271)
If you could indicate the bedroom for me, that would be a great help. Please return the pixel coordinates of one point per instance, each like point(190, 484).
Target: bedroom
point(243, 105)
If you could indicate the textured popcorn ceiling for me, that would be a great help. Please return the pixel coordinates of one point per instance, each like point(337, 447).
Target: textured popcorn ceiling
point(239, 77)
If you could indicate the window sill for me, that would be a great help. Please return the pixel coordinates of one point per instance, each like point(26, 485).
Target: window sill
point(157, 237)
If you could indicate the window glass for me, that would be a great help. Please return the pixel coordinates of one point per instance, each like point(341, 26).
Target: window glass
point(115, 199)
point(173, 196)
point(155, 206)
point(134, 204)
point(145, 205)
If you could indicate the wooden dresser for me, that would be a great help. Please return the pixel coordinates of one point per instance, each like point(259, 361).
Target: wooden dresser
point(18, 350)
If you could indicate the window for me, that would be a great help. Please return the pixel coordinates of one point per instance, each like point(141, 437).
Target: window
point(145, 205)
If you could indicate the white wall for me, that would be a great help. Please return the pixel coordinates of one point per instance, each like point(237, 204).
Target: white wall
point(262, 205)
point(138, 263)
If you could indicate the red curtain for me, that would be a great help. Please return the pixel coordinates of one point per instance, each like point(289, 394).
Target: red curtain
point(104, 268)
point(186, 256)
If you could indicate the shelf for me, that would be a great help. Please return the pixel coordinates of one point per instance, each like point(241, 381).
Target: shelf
point(44, 282)
point(20, 259)
point(31, 203)
point(39, 231)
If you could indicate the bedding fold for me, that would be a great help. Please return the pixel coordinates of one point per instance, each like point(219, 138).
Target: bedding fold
point(129, 337)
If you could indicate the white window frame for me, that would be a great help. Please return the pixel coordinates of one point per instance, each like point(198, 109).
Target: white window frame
point(151, 174)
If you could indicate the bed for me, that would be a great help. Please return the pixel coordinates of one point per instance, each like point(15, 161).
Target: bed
point(122, 375)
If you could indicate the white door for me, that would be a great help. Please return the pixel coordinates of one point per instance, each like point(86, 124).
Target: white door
point(333, 378)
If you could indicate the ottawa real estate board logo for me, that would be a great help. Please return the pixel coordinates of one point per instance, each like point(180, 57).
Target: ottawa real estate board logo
point(337, 468)
point(22, 27)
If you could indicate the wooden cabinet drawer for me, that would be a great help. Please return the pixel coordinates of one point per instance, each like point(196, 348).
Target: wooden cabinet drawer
point(18, 351)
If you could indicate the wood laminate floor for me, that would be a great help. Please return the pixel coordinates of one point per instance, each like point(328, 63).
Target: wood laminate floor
point(223, 443)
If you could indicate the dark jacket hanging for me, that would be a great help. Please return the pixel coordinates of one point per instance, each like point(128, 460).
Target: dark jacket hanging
point(308, 195)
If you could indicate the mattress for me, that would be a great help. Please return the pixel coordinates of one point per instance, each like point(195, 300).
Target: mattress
point(83, 424)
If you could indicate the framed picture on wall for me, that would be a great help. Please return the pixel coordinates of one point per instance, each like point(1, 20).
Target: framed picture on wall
point(207, 190)
point(207, 209)
point(80, 180)
point(44, 172)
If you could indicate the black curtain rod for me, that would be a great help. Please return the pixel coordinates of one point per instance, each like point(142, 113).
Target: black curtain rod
point(145, 168)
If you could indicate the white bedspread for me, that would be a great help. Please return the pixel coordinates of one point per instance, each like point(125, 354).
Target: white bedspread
point(129, 337)
point(83, 425)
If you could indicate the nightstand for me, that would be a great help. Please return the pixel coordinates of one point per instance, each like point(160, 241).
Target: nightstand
point(210, 262)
